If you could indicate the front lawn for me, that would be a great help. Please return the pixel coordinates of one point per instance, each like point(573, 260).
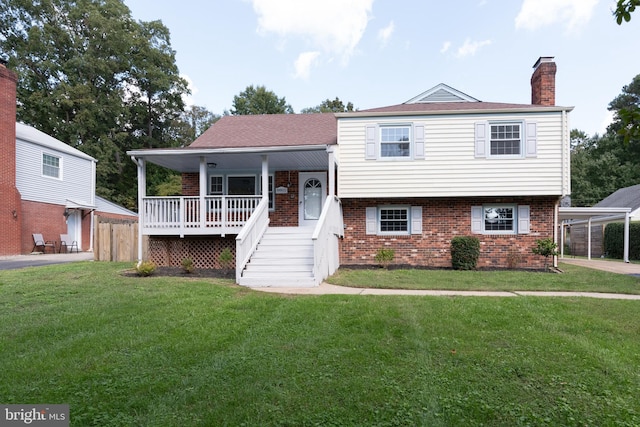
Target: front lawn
point(128, 351)
point(574, 278)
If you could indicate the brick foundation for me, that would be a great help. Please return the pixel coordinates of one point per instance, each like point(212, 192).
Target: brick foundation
point(443, 219)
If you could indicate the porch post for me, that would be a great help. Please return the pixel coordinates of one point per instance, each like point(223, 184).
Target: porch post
point(142, 193)
point(626, 237)
point(265, 176)
point(332, 172)
point(203, 191)
point(589, 239)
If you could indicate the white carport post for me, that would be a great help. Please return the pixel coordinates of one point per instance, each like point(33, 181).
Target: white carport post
point(625, 255)
point(589, 238)
point(265, 176)
point(202, 192)
point(142, 193)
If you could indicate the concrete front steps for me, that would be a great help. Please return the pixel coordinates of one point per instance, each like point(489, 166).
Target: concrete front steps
point(283, 258)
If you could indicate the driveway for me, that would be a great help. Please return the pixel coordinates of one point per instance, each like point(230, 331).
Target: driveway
point(605, 265)
point(21, 261)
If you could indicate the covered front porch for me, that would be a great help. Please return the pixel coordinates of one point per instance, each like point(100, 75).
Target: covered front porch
point(242, 192)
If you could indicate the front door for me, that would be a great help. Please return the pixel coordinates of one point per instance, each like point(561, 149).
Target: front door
point(313, 191)
point(74, 227)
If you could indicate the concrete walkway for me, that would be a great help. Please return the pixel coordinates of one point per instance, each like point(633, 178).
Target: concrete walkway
point(36, 260)
point(611, 266)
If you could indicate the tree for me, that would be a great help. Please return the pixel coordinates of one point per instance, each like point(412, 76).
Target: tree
point(624, 8)
point(627, 112)
point(96, 79)
point(259, 100)
point(328, 106)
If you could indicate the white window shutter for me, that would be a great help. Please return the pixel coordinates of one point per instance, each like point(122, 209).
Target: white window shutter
point(531, 134)
point(370, 143)
point(416, 219)
point(481, 137)
point(418, 135)
point(476, 219)
point(524, 219)
point(372, 220)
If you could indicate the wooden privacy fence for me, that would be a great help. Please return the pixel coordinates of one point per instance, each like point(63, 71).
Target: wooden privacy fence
point(117, 240)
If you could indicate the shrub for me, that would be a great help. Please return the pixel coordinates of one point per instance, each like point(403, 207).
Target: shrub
point(614, 240)
point(226, 258)
point(145, 268)
point(465, 251)
point(384, 257)
point(546, 248)
point(187, 265)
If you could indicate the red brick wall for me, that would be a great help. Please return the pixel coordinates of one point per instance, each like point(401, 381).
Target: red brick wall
point(442, 219)
point(286, 213)
point(10, 209)
point(190, 184)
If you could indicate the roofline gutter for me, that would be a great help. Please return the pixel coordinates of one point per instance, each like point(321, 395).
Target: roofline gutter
point(360, 114)
point(152, 152)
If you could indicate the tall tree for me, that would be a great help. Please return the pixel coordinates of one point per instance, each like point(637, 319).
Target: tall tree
point(328, 106)
point(95, 78)
point(624, 9)
point(627, 112)
point(259, 100)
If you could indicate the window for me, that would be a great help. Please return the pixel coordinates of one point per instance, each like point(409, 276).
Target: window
point(50, 166)
point(499, 218)
point(241, 185)
point(215, 185)
point(394, 220)
point(505, 139)
point(395, 141)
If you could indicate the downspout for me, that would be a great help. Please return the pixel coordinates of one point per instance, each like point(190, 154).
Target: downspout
point(93, 203)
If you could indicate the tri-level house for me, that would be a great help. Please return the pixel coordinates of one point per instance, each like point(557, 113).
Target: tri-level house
point(295, 196)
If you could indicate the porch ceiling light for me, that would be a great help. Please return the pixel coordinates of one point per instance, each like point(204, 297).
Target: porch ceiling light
point(212, 165)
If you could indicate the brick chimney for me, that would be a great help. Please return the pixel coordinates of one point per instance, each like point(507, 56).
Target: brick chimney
point(10, 208)
point(543, 82)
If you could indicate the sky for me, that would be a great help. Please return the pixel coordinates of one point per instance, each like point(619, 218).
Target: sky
point(376, 53)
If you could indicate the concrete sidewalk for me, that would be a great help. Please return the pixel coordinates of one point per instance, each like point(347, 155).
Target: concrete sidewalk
point(328, 289)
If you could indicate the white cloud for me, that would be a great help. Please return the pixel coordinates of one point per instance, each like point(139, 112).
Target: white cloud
point(189, 99)
point(445, 47)
point(334, 27)
point(471, 47)
point(573, 14)
point(606, 121)
point(303, 64)
point(385, 34)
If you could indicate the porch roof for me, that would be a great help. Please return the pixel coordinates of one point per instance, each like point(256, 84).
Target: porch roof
point(303, 157)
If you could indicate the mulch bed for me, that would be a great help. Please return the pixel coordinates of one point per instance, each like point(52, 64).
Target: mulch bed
point(208, 273)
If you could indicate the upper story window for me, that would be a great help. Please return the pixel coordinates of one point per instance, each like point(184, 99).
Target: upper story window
point(506, 139)
point(395, 141)
point(51, 166)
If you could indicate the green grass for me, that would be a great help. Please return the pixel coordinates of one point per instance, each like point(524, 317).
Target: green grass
point(127, 351)
point(575, 278)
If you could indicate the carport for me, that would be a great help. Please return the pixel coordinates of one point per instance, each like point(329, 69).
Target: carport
point(580, 216)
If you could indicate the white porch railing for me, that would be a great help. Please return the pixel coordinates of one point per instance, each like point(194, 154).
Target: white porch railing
point(250, 236)
point(184, 214)
point(326, 257)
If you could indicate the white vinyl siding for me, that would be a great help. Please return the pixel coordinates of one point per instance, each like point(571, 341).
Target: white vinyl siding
point(451, 166)
point(75, 182)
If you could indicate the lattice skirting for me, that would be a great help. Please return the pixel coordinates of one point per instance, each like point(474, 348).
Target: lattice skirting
point(204, 251)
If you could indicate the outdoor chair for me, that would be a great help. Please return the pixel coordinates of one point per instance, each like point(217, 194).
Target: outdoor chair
point(38, 241)
point(68, 244)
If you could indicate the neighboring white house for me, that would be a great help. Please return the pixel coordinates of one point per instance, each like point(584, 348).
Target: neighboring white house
point(297, 195)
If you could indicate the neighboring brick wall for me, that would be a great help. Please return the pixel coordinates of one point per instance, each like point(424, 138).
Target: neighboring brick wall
point(10, 209)
point(442, 219)
point(205, 251)
point(46, 219)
